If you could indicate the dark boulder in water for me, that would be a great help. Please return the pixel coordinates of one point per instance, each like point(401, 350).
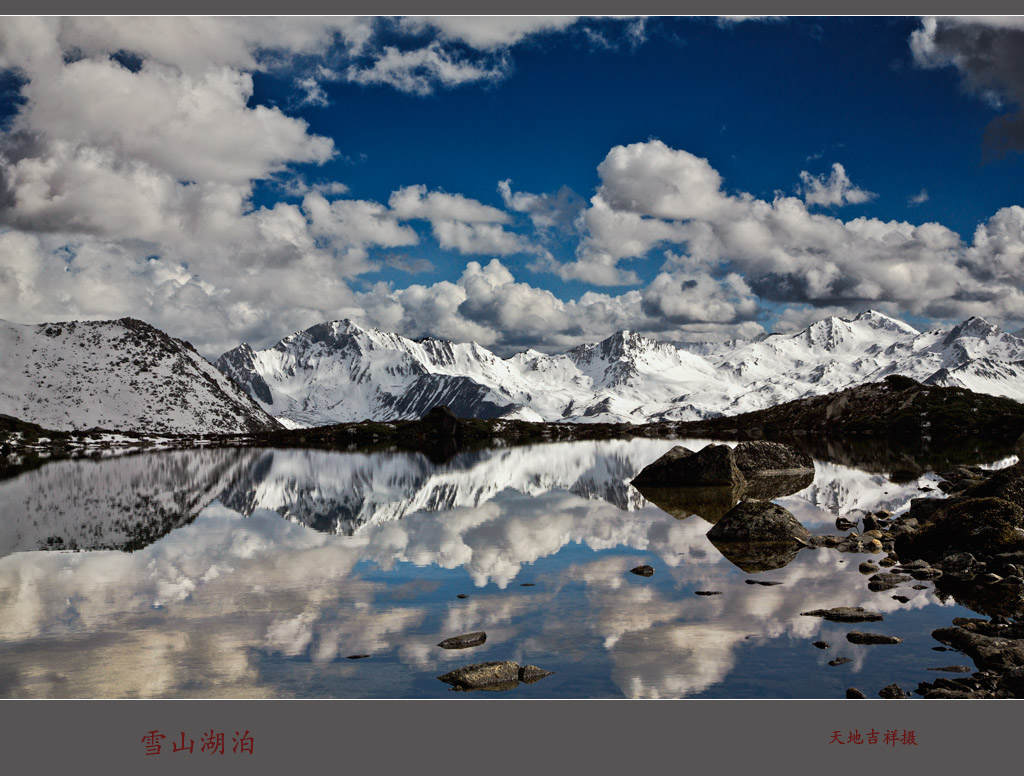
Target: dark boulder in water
point(759, 536)
point(774, 457)
point(761, 522)
point(680, 467)
point(474, 639)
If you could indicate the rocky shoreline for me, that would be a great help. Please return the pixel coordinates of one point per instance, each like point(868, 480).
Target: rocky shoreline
point(969, 546)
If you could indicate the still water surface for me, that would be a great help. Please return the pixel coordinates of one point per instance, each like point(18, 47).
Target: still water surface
point(236, 573)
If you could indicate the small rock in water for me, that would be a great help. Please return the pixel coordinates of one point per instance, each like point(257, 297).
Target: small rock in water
point(843, 524)
point(767, 583)
point(887, 561)
point(474, 639)
point(892, 691)
point(840, 660)
point(356, 657)
point(853, 692)
point(919, 587)
point(642, 571)
point(531, 674)
point(953, 669)
point(494, 675)
point(528, 584)
point(844, 614)
point(942, 649)
point(867, 567)
point(856, 637)
point(707, 592)
point(901, 598)
point(821, 644)
point(462, 595)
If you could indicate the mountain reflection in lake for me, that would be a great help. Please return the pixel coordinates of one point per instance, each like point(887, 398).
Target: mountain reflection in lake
point(189, 583)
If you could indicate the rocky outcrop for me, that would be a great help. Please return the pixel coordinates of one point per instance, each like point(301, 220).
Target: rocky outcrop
point(983, 525)
point(754, 458)
point(724, 465)
point(681, 467)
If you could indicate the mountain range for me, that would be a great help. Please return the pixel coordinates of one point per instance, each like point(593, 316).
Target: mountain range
point(340, 372)
point(128, 502)
point(125, 375)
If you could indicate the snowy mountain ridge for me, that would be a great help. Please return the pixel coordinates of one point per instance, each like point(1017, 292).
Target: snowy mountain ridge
point(339, 372)
point(119, 375)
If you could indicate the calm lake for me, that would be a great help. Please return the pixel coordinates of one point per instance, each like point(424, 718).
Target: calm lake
point(238, 573)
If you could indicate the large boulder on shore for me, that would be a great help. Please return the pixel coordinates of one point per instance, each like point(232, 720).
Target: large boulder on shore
point(981, 526)
point(771, 457)
point(1007, 484)
point(680, 467)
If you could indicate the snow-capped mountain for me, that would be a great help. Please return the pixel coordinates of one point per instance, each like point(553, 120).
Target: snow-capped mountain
point(122, 503)
point(339, 372)
point(342, 492)
point(119, 375)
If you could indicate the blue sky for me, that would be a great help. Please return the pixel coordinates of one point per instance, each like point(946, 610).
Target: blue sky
point(525, 182)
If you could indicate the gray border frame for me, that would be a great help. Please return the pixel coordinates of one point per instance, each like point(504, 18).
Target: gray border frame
point(505, 736)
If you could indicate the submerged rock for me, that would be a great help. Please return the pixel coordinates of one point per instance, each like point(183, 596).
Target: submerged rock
point(840, 661)
point(888, 581)
point(842, 524)
point(642, 571)
point(845, 614)
point(766, 486)
point(755, 557)
point(856, 637)
point(531, 674)
point(709, 503)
